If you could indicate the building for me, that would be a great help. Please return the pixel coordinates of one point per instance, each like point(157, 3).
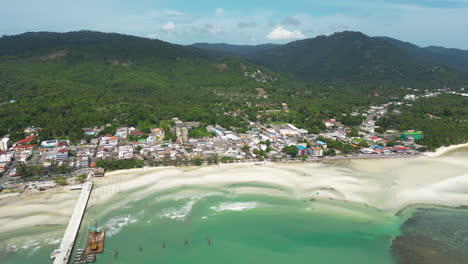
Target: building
point(316, 152)
point(99, 172)
point(159, 134)
point(411, 135)
point(301, 151)
point(4, 144)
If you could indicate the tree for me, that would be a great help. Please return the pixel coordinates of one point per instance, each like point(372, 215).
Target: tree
point(81, 178)
point(197, 162)
point(291, 150)
point(380, 130)
point(60, 180)
point(354, 132)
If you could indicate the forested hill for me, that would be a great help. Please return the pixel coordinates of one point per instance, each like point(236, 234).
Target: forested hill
point(92, 45)
point(351, 57)
point(454, 58)
point(65, 81)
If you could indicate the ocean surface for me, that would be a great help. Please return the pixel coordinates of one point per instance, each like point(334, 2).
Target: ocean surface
point(213, 224)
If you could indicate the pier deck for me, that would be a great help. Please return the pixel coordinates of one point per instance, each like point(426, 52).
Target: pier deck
point(66, 246)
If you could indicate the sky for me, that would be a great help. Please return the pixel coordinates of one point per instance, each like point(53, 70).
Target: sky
point(422, 22)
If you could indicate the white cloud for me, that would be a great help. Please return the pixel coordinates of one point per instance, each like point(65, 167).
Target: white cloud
point(169, 26)
point(280, 33)
point(219, 11)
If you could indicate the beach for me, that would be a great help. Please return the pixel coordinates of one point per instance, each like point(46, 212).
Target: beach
point(386, 184)
point(360, 190)
point(442, 150)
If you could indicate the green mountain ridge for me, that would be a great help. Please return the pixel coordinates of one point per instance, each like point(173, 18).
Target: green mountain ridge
point(349, 56)
point(454, 58)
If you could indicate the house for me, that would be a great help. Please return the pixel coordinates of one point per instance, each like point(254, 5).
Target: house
point(26, 141)
point(31, 130)
point(89, 131)
point(412, 135)
point(99, 172)
point(109, 141)
point(329, 123)
point(301, 151)
point(54, 143)
point(137, 133)
point(159, 133)
point(402, 149)
point(321, 143)
point(316, 152)
point(24, 147)
point(122, 132)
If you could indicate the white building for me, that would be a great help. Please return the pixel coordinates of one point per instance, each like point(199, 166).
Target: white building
point(4, 144)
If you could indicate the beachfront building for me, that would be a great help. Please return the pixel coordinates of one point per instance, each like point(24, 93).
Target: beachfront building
point(412, 135)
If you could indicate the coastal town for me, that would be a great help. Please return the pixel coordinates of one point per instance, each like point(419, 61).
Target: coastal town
point(34, 164)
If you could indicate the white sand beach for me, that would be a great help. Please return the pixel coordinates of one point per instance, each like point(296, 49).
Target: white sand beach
point(53, 207)
point(442, 150)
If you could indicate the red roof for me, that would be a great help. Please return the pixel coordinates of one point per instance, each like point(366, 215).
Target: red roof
point(1, 151)
point(374, 138)
point(63, 150)
point(26, 140)
point(137, 133)
point(25, 146)
point(402, 148)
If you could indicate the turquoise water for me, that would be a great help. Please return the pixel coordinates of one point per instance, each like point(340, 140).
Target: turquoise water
point(267, 229)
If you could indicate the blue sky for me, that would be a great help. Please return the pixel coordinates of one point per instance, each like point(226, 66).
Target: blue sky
point(423, 22)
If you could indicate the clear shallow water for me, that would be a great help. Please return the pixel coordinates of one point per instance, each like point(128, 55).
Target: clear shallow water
point(248, 229)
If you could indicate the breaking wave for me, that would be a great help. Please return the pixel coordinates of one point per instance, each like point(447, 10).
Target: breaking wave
point(239, 206)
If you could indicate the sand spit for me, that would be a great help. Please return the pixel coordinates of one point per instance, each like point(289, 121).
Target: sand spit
point(443, 150)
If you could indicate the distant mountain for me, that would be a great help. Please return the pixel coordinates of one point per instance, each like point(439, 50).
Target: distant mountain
point(349, 56)
point(237, 50)
point(455, 58)
point(112, 44)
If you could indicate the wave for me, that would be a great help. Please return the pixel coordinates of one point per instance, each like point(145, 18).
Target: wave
point(115, 225)
point(178, 213)
point(235, 206)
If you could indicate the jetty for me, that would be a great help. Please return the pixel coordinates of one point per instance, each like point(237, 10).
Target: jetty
point(62, 254)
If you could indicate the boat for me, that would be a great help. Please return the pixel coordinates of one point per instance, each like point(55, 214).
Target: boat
point(95, 244)
point(54, 254)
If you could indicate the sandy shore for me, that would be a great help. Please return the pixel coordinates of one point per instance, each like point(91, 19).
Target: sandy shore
point(386, 184)
point(53, 207)
point(443, 150)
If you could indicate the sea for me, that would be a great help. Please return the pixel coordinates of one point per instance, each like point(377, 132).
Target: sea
point(212, 224)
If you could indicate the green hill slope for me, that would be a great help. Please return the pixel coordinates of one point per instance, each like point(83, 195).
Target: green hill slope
point(63, 82)
point(454, 58)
